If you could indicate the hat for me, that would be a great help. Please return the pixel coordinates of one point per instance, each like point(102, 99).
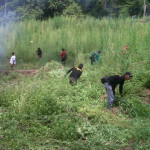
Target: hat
point(128, 73)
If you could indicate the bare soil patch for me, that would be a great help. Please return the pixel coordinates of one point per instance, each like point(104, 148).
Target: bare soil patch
point(23, 72)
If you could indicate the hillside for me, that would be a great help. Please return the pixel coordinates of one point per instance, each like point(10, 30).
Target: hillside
point(43, 111)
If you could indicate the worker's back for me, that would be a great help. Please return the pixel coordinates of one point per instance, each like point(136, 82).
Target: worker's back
point(76, 73)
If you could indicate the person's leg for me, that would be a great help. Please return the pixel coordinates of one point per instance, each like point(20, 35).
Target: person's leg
point(110, 95)
point(72, 81)
point(38, 57)
point(12, 66)
point(63, 62)
point(95, 60)
point(92, 60)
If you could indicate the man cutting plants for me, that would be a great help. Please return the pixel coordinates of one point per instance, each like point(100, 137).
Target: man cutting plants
point(111, 82)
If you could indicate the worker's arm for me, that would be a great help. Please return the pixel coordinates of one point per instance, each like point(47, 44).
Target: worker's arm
point(69, 71)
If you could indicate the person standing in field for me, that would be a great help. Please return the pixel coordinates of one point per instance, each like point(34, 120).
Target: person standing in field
point(111, 82)
point(12, 61)
point(95, 57)
point(124, 50)
point(75, 74)
point(39, 53)
point(63, 55)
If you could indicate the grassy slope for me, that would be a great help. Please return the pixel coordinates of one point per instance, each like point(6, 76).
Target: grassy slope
point(48, 113)
point(37, 113)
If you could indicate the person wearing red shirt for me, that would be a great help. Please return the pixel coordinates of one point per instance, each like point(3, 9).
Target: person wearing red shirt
point(63, 55)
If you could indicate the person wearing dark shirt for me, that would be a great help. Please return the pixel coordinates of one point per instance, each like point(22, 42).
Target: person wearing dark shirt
point(111, 82)
point(39, 53)
point(75, 74)
point(63, 55)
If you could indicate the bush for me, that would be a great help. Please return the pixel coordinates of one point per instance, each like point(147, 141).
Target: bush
point(73, 10)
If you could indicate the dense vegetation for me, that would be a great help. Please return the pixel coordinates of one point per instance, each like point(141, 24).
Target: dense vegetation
point(45, 112)
point(79, 37)
point(43, 9)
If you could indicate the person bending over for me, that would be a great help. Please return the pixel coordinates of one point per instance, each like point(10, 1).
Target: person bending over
point(95, 57)
point(111, 82)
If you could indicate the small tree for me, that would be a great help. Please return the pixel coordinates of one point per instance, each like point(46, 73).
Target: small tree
point(73, 10)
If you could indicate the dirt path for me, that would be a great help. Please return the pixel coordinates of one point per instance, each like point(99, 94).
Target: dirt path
point(23, 72)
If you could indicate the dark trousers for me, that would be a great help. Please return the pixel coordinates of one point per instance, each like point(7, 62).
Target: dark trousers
point(110, 95)
point(92, 60)
point(72, 81)
point(63, 61)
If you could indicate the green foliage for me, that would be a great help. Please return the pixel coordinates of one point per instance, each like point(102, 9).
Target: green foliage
point(45, 112)
point(43, 9)
point(134, 107)
point(98, 8)
point(73, 10)
point(58, 6)
point(124, 12)
point(130, 7)
point(64, 127)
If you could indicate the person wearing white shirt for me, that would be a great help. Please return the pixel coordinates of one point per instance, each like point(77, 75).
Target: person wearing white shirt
point(12, 61)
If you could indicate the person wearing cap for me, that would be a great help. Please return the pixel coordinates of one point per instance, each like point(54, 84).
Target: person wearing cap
point(111, 82)
point(95, 57)
point(63, 55)
point(39, 53)
point(75, 74)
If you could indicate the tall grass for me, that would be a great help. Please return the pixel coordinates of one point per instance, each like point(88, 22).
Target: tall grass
point(77, 36)
point(48, 113)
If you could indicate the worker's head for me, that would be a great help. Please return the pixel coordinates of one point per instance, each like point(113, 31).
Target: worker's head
point(13, 53)
point(80, 66)
point(63, 49)
point(99, 51)
point(128, 76)
point(125, 48)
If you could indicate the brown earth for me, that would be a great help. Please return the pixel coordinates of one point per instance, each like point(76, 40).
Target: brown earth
point(23, 72)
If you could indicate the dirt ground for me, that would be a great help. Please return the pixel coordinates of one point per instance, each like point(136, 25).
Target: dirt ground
point(23, 72)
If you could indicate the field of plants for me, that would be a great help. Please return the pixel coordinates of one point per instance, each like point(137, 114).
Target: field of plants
point(44, 111)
